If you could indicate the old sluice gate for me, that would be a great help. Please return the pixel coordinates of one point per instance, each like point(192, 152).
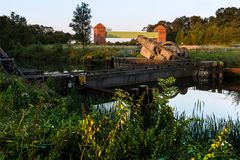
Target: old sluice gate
point(162, 60)
point(122, 71)
point(129, 71)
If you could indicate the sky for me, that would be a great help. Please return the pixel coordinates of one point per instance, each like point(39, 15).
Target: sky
point(121, 15)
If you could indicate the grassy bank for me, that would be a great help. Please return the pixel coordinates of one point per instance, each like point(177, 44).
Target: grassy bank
point(65, 57)
point(37, 123)
point(230, 56)
point(69, 57)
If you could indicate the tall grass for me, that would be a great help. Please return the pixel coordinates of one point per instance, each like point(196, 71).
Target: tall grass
point(64, 57)
point(37, 123)
point(230, 56)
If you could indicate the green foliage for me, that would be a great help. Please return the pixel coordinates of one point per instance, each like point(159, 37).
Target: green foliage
point(221, 29)
point(46, 57)
point(15, 32)
point(36, 123)
point(220, 148)
point(65, 57)
point(230, 56)
point(81, 23)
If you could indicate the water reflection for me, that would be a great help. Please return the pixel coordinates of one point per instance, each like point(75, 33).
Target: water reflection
point(221, 104)
point(201, 97)
point(221, 98)
point(235, 97)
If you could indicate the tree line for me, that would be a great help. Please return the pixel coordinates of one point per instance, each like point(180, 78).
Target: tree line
point(223, 28)
point(15, 31)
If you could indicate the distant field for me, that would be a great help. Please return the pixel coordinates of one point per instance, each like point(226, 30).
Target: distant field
point(119, 34)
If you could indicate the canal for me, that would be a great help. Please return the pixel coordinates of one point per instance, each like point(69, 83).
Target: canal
point(202, 98)
point(211, 102)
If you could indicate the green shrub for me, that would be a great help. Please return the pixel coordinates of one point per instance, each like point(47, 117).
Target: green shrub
point(37, 123)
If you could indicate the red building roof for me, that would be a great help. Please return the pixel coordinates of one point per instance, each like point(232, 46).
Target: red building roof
point(99, 25)
point(159, 27)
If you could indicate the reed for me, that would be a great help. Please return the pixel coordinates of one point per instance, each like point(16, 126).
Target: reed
point(37, 123)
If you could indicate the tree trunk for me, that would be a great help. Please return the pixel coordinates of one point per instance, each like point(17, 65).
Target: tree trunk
point(83, 45)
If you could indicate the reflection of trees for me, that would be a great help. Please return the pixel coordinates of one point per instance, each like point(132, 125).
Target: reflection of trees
point(235, 97)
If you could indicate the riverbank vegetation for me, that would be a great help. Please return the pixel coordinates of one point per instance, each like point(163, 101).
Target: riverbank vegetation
point(37, 123)
point(68, 57)
point(38, 46)
point(229, 55)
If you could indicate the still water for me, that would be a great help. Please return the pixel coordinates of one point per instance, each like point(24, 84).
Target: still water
point(222, 104)
point(204, 97)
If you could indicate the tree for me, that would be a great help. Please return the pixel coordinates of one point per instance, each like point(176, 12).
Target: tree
point(81, 23)
point(13, 31)
point(17, 19)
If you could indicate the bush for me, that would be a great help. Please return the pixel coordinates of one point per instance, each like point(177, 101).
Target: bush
point(36, 123)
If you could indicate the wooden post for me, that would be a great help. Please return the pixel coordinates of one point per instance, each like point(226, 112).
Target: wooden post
point(89, 63)
point(135, 93)
point(109, 63)
point(144, 91)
